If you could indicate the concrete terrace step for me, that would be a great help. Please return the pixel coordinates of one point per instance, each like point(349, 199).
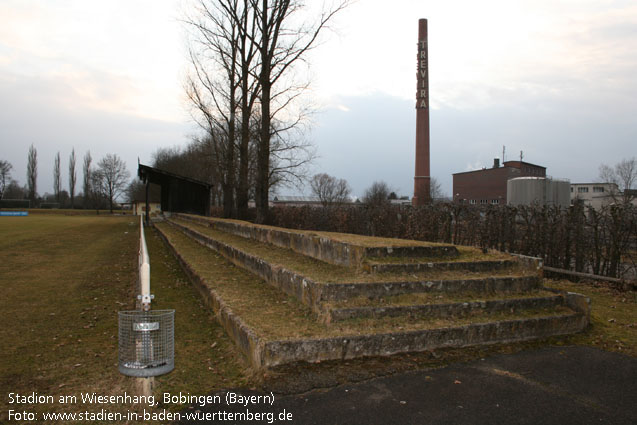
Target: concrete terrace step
point(383, 344)
point(313, 293)
point(443, 310)
point(272, 329)
point(487, 285)
point(334, 248)
point(475, 266)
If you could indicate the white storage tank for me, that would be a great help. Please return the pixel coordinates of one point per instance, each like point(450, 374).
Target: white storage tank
point(539, 190)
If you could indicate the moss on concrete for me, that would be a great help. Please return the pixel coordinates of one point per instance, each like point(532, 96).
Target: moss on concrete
point(467, 253)
point(435, 298)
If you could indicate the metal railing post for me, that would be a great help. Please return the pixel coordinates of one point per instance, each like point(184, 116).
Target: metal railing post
point(144, 269)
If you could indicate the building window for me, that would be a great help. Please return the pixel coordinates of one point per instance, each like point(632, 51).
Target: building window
point(598, 189)
point(472, 202)
point(582, 189)
point(571, 189)
point(483, 201)
point(495, 201)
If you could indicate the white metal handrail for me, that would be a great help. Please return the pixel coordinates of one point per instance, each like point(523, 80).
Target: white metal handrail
point(144, 268)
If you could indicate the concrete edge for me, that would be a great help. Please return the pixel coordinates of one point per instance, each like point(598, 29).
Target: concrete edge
point(458, 309)
point(243, 335)
point(343, 291)
point(533, 263)
point(576, 302)
point(439, 251)
point(475, 266)
point(579, 303)
point(348, 347)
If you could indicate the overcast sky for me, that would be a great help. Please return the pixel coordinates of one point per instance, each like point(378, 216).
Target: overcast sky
point(553, 78)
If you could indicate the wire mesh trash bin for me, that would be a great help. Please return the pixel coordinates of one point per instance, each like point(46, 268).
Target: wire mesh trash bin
point(146, 342)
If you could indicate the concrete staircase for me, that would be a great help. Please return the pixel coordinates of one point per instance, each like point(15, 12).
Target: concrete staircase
point(312, 296)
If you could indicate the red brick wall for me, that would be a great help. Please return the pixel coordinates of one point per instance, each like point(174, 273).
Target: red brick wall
point(491, 183)
point(486, 184)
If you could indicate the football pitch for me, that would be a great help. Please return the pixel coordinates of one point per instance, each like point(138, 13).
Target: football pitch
point(63, 280)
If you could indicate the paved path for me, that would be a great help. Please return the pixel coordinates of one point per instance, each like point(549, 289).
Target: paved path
point(555, 385)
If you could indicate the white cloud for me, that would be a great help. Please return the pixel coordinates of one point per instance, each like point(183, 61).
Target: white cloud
point(119, 55)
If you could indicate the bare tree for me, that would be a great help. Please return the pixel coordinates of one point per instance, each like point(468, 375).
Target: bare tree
point(377, 194)
point(281, 43)
point(57, 184)
point(171, 160)
point(136, 191)
point(238, 46)
point(72, 177)
point(32, 174)
point(624, 175)
point(97, 190)
point(330, 190)
point(290, 156)
point(86, 169)
point(213, 86)
point(435, 190)
point(5, 175)
point(114, 177)
point(195, 160)
point(250, 90)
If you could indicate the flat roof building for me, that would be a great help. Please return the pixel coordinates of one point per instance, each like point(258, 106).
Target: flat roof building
point(595, 195)
point(489, 185)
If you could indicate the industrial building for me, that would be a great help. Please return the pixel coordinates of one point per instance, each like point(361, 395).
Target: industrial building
point(538, 191)
point(595, 195)
point(489, 185)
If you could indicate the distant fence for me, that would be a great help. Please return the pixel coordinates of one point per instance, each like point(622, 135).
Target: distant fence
point(50, 205)
point(601, 242)
point(15, 203)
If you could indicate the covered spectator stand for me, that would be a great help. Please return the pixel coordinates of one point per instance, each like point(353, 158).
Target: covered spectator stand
point(178, 193)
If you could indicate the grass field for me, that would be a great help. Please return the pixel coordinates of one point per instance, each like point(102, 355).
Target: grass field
point(63, 280)
point(613, 317)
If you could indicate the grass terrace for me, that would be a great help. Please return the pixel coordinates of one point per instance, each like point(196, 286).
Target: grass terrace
point(277, 316)
point(320, 271)
point(348, 238)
